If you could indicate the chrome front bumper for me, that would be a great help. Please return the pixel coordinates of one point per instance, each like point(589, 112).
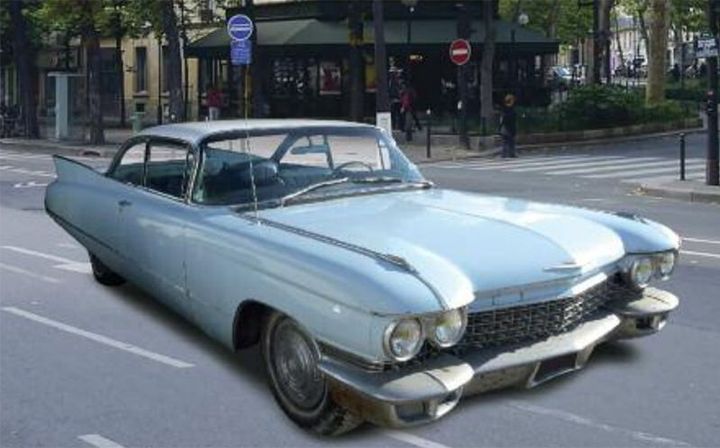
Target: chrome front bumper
point(412, 396)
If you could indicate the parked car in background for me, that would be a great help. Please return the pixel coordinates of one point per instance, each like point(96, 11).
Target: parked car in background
point(561, 77)
point(373, 294)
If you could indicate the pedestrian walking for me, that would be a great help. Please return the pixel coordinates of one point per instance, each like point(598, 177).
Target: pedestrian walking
point(394, 89)
point(214, 102)
point(408, 96)
point(508, 126)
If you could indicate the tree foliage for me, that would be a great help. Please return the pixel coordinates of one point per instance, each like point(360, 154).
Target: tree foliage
point(561, 19)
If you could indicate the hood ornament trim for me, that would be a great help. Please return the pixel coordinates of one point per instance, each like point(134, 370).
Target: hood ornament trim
point(568, 266)
point(394, 260)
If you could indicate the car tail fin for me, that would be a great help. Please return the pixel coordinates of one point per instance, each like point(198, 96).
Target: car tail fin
point(72, 170)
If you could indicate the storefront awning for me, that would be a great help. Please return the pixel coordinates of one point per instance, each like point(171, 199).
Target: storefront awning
point(313, 33)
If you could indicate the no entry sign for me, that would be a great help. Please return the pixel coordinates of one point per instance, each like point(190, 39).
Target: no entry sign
point(460, 51)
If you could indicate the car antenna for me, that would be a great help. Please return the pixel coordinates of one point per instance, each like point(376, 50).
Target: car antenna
point(248, 149)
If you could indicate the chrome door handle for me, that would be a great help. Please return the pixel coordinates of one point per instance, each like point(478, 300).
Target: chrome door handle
point(124, 203)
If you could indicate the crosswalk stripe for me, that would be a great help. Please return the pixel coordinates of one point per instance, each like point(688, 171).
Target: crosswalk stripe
point(498, 162)
point(635, 173)
point(634, 163)
point(548, 163)
point(584, 165)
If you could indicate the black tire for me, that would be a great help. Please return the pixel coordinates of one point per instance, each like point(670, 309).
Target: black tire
point(317, 411)
point(103, 274)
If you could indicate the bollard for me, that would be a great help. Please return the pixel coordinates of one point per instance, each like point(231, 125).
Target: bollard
point(428, 135)
point(682, 156)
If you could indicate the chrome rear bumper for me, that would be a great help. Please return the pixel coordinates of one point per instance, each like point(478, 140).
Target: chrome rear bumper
point(407, 397)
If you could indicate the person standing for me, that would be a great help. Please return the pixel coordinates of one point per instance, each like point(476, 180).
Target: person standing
point(508, 126)
point(214, 102)
point(408, 96)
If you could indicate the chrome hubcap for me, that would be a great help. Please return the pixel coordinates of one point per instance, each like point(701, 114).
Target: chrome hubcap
point(295, 365)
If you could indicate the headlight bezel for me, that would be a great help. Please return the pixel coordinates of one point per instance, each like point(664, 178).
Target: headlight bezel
point(655, 260)
point(431, 325)
point(390, 329)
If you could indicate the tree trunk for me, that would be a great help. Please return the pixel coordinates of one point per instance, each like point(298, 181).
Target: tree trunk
point(92, 52)
point(486, 66)
point(25, 60)
point(121, 78)
point(621, 53)
point(604, 22)
point(173, 74)
point(357, 62)
point(659, 21)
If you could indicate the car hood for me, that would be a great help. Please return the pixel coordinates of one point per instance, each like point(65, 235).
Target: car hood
point(463, 244)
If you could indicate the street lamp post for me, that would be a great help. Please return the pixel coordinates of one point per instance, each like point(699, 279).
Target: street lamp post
point(522, 20)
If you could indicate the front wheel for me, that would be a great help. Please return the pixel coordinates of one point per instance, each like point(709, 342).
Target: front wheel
point(103, 274)
point(299, 387)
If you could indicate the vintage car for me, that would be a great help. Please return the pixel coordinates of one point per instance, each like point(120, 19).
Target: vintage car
point(374, 295)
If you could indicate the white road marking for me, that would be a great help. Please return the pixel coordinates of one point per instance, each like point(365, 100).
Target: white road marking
point(599, 168)
point(700, 240)
point(549, 163)
point(99, 338)
point(17, 270)
point(14, 169)
point(30, 184)
point(584, 421)
point(571, 167)
point(69, 246)
point(99, 441)
point(66, 264)
point(635, 172)
point(412, 439)
point(700, 254)
point(22, 250)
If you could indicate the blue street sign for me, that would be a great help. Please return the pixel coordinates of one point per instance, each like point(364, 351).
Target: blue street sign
point(240, 27)
point(241, 52)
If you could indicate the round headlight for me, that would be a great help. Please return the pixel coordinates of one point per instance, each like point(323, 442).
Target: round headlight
point(404, 339)
point(445, 329)
point(666, 264)
point(641, 272)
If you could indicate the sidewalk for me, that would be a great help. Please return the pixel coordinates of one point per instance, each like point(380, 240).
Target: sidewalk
point(685, 190)
point(115, 137)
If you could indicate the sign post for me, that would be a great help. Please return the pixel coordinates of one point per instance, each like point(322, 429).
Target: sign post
point(240, 28)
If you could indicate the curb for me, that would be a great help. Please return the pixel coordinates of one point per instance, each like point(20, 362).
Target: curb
point(684, 195)
point(107, 151)
point(629, 138)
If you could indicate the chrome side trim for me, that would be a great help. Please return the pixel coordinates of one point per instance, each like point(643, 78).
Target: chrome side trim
point(391, 259)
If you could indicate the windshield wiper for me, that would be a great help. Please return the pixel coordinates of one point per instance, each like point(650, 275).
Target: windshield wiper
point(390, 180)
point(326, 183)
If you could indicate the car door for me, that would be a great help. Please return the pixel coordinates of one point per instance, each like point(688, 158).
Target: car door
point(153, 218)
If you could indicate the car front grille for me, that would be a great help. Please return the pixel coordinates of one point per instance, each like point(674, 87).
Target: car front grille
point(527, 323)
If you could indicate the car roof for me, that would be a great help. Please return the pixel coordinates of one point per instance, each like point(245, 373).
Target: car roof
point(194, 132)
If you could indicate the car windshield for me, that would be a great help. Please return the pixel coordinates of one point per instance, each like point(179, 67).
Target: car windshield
point(304, 163)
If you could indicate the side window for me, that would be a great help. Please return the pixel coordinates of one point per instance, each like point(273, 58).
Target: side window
point(169, 168)
point(130, 168)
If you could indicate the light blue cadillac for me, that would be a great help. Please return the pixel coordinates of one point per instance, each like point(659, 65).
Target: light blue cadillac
point(374, 295)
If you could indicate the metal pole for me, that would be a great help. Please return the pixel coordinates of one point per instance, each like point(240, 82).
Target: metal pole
point(408, 77)
point(382, 99)
point(682, 156)
point(428, 126)
point(159, 84)
point(711, 167)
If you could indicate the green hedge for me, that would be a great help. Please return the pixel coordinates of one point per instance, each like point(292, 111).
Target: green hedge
point(598, 107)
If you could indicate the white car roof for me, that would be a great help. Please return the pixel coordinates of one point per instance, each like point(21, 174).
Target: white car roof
point(195, 131)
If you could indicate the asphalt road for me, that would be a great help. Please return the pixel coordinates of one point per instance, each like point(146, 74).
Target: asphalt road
point(85, 365)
